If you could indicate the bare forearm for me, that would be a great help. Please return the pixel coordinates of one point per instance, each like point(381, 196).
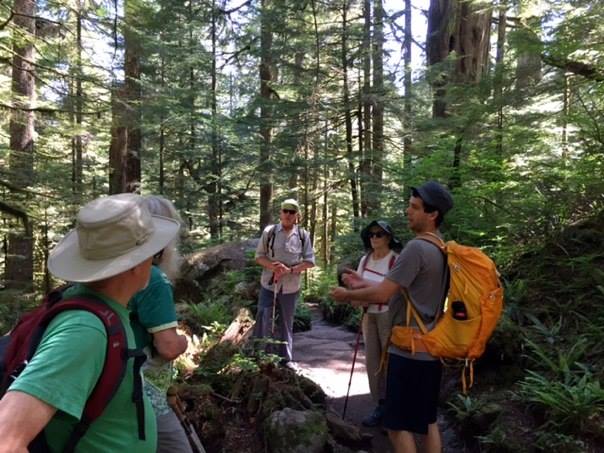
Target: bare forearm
point(375, 294)
point(301, 267)
point(265, 262)
point(169, 343)
point(22, 417)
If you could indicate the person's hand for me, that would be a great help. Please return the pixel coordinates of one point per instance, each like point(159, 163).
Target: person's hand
point(339, 294)
point(353, 280)
point(279, 269)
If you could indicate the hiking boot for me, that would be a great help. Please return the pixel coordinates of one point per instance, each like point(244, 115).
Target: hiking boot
point(375, 418)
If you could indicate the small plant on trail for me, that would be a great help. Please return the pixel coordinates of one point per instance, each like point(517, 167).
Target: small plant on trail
point(551, 440)
point(498, 440)
point(473, 415)
point(210, 316)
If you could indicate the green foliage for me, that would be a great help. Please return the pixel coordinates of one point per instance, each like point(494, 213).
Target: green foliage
point(568, 405)
point(302, 317)
point(552, 440)
point(12, 305)
point(500, 440)
point(473, 415)
point(213, 316)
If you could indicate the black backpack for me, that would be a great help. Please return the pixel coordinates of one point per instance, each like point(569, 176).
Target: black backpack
point(270, 239)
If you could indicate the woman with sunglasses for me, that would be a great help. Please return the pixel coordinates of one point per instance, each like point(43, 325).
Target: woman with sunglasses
point(381, 246)
point(153, 320)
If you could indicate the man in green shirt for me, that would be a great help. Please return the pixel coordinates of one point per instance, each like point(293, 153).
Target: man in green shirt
point(108, 256)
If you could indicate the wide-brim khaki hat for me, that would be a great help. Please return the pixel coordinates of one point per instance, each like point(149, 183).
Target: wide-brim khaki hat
point(112, 234)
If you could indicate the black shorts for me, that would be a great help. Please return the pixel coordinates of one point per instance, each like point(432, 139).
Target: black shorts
point(412, 389)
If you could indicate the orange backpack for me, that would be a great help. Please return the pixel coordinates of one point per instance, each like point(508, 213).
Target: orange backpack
point(472, 308)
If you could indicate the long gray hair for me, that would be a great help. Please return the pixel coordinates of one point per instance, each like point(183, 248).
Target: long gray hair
point(170, 260)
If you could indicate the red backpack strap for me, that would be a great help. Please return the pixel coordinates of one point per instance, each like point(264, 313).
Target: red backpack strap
point(114, 368)
point(392, 261)
point(27, 335)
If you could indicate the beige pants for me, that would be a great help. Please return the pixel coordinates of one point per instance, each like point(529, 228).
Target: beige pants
point(376, 331)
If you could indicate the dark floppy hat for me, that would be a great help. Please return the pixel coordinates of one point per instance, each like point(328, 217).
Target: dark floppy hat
point(394, 242)
point(436, 195)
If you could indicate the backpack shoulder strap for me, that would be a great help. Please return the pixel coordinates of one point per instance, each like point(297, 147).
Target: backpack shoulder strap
point(433, 239)
point(114, 368)
point(392, 261)
point(303, 234)
point(270, 241)
point(364, 259)
point(411, 310)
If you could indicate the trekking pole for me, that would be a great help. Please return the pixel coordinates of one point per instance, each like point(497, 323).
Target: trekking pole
point(176, 405)
point(274, 308)
point(354, 359)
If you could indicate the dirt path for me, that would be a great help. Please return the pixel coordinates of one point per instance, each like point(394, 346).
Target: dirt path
point(324, 354)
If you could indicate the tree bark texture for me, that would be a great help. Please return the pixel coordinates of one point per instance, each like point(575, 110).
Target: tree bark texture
point(77, 140)
point(132, 87)
point(266, 78)
point(462, 27)
point(378, 109)
point(19, 260)
point(118, 149)
point(352, 175)
point(366, 156)
point(407, 84)
point(499, 72)
point(213, 195)
point(528, 62)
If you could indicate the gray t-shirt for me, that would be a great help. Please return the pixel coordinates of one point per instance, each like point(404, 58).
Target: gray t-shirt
point(421, 269)
point(288, 248)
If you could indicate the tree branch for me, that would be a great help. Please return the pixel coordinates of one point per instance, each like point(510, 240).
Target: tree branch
point(14, 188)
point(228, 12)
point(50, 110)
point(15, 212)
point(10, 17)
point(588, 71)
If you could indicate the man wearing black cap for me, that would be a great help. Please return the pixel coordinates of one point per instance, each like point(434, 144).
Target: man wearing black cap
point(413, 380)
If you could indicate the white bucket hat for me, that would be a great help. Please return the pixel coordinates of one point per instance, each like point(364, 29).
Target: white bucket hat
point(112, 234)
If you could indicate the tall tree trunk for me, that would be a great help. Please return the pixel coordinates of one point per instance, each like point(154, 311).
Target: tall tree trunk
point(565, 116)
point(365, 168)
point(19, 260)
point(213, 209)
point(266, 78)
point(162, 129)
point(78, 163)
point(462, 27)
point(499, 72)
point(528, 62)
point(132, 87)
point(407, 83)
point(298, 126)
point(325, 204)
point(192, 96)
point(378, 109)
point(118, 148)
point(348, 118)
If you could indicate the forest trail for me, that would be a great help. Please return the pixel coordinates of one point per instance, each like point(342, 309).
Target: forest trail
point(324, 355)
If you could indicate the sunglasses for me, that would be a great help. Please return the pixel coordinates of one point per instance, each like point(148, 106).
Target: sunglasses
point(377, 234)
point(289, 211)
point(158, 255)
